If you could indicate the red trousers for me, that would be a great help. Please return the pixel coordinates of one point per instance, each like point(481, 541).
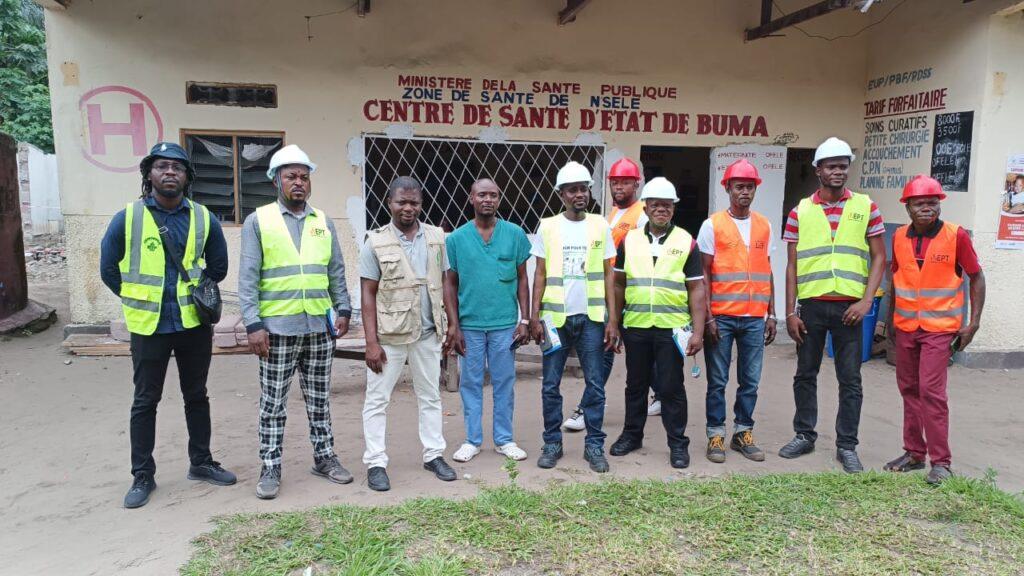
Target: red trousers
point(921, 362)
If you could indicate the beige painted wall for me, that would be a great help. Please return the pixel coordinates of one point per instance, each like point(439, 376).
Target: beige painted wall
point(806, 89)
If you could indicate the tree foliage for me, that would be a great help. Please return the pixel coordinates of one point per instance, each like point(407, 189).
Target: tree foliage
point(24, 88)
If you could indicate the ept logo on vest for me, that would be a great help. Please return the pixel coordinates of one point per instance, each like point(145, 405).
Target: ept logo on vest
point(940, 257)
point(317, 232)
point(857, 217)
point(118, 122)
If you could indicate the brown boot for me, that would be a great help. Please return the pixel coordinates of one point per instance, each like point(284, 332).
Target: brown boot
point(716, 449)
point(743, 442)
point(905, 463)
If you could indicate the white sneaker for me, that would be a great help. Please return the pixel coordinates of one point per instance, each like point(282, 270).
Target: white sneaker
point(512, 451)
point(465, 453)
point(575, 422)
point(654, 409)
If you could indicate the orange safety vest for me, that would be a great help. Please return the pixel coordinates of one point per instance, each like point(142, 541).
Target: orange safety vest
point(928, 296)
point(626, 223)
point(741, 275)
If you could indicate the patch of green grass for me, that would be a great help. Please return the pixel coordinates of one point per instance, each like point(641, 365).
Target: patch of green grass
point(828, 523)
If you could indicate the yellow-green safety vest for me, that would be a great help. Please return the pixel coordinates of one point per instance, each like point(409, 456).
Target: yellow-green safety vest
point(656, 295)
point(552, 303)
point(827, 266)
point(142, 267)
point(293, 281)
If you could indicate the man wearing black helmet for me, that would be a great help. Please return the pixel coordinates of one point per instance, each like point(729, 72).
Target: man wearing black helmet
point(136, 264)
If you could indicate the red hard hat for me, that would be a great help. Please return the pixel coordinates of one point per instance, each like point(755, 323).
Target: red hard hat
point(624, 168)
point(922, 185)
point(741, 169)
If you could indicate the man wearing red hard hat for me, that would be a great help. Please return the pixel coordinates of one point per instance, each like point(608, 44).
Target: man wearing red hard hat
point(930, 258)
point(735, 246)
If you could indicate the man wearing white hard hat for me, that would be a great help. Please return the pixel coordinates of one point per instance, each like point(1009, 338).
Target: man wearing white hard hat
point(572, 294)
point(659, 286)
point(836, 258)
point(291, 288)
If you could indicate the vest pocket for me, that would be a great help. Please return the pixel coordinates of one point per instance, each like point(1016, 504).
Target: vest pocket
point(395, 316)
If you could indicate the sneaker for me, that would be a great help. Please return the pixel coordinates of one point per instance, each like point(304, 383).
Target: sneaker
point(466, 452)
point(441, 469)
point(138, 494)
point(213, 473)
point(743, 442)
point(797, 447)
point(849, 460)
point(549, 455)
point(716, 449)
point(269, 484)
point(575, 423)
point(377, 479)
point(331, 469)
point(655, 408)
point(938, 474)
point(511, 450)
point(595, 455)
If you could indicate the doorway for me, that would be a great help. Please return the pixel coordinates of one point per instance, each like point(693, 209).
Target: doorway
point(687, 167)
point(801, 181)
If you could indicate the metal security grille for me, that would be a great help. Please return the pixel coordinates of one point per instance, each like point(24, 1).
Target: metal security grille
point(525, 171)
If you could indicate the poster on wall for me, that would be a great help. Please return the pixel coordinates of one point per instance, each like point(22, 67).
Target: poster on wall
point(1010, 235)
point(951, 150)
point(771, 166)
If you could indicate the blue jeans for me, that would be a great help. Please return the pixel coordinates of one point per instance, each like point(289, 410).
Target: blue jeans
point(488, 349)
point(587, 337)
point(748, 333)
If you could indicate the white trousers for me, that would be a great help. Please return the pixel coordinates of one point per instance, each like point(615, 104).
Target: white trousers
point(424, 356)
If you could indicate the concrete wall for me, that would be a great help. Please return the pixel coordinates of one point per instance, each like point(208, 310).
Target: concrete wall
point(974, 55)
point(40, 191)
point(805, 89)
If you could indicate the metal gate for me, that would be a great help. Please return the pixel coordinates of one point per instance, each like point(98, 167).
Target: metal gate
point(525, 172)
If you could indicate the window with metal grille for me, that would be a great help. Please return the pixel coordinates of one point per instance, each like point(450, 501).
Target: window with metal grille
point(525, 172)
point(220, 94)
point(231, 170)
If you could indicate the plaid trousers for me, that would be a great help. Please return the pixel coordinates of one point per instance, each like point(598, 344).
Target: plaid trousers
point(312, 354)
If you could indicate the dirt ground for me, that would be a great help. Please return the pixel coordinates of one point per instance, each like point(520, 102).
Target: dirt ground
point(65, 466)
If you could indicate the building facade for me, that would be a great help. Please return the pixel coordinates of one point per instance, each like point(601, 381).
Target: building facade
point(450, 90)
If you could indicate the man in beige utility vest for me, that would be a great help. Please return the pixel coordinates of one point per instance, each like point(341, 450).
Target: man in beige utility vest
point(403, 276)
point(291, 289)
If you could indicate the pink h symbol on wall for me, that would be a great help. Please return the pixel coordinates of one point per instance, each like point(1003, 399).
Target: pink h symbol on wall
point(99, 130)
point(141, 112)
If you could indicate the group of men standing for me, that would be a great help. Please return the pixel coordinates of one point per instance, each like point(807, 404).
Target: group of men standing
point(634, 282)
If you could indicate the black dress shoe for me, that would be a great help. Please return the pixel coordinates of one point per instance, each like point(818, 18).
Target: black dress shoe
point(797, 447)
point(377, 479)
point(138, 494)
point(624, 446)
point(441, 469)
point(213, 473)
point(679, 458)
point(849, 460)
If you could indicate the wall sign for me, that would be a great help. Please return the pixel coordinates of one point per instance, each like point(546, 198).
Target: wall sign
point(119, 122)
point(951, 150)
point(1010, 234)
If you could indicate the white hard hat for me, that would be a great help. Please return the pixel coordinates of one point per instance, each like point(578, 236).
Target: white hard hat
point(832, 148)
point(290, 154)
point(659, 188)
point(573, 172)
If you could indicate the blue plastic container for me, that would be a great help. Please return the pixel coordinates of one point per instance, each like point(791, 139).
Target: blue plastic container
point(867, 337)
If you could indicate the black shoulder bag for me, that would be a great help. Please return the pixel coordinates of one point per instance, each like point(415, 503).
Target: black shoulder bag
point(206, 294)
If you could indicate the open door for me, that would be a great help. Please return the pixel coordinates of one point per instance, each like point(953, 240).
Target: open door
point(771, 165)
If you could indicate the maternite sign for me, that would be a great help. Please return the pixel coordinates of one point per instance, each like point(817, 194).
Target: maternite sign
point(951, 150)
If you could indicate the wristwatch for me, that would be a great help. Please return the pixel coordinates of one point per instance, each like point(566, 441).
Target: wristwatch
point(771, 317)
point(524, 321)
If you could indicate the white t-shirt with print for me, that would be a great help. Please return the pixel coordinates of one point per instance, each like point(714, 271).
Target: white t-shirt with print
point(574, 262)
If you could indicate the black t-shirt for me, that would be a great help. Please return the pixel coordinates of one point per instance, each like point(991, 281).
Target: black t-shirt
point(693, 268)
